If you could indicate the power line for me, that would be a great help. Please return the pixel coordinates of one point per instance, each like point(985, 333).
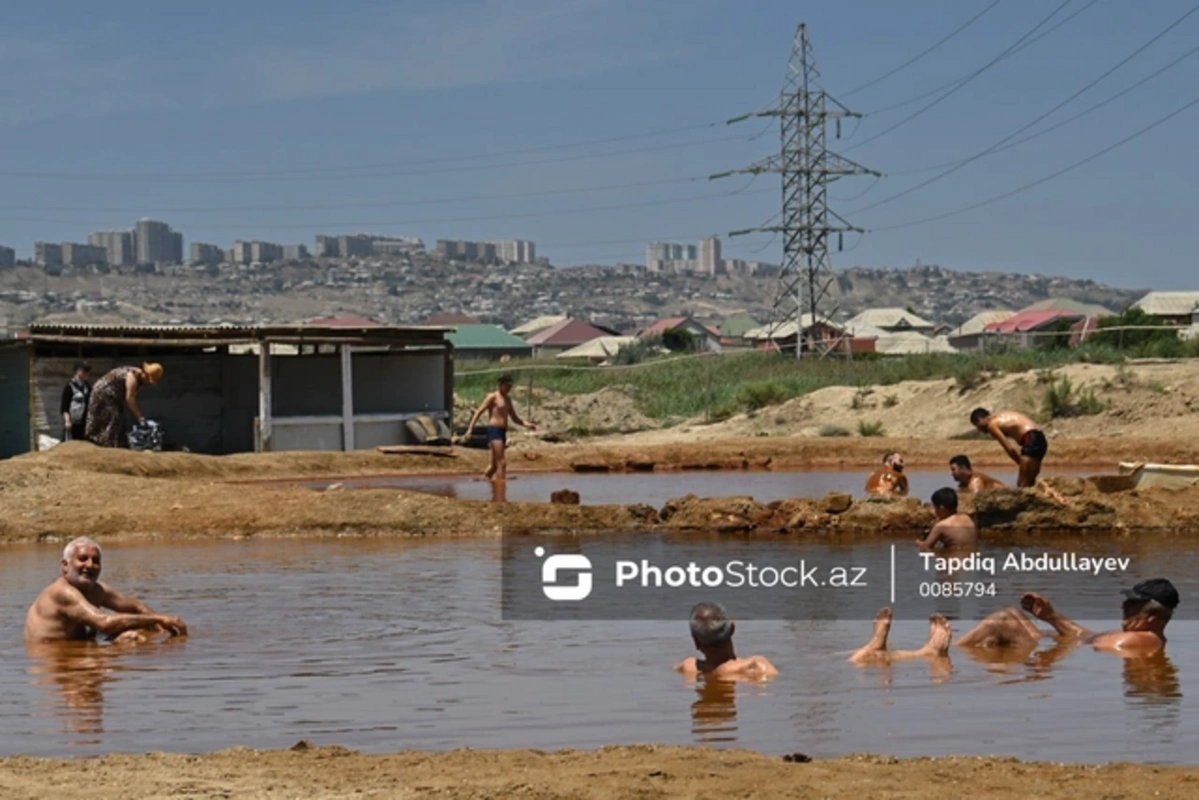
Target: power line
point(195, 177)
point(1155, 124)
point(1022, 129)
point(483, 218)
point(344, 206)
point(922, 53)
point(1064, 122)
point(970, 77)
point(961, 85)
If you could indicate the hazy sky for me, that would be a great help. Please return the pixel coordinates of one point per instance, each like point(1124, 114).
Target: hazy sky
point(472, 119)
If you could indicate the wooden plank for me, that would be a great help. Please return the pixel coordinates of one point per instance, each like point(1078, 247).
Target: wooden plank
point(347, 398)
point(415, 450)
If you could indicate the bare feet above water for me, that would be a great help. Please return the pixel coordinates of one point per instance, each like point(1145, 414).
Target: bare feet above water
point(940, 634)
point(876, 648)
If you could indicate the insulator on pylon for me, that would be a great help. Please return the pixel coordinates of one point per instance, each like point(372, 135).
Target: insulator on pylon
point(838, 129)
point(840, 242)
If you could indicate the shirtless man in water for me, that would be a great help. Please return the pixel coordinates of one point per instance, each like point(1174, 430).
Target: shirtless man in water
point(968, 480)
point(1147, 609)
point(499, 408)
point(70, 608)
point(712, 632)
point(1011, 428)
point(953, 531)
point(890, 480)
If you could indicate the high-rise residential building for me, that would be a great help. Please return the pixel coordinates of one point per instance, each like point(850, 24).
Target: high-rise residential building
point(515, 251)
point(326, 247)
point(354, 245)
point(121, 246)
point(261, 252)
point(157, 243)
point(294, 252)
point(81, 255)
point(206, 253)
point(709, 256)
point(667, 256)
point(8, 257)
point(47, 254)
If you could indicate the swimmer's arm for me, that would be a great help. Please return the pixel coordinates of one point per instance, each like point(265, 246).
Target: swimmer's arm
point(123, 603)
point(1010, 448)
point(77, 610)
point(930, 542)
point(488, 401)
point(516, 418)
point(763, 667)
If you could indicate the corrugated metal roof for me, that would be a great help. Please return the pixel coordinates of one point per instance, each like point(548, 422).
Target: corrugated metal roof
point(1031, 320)
point(911, 343)
point(569, 332)
point(485, 337)
point(538, 324)
point(888, 318)
point(603, 347)
point(979, 322)
point(1168, 304)
point(226, 334)
point(1073, 306)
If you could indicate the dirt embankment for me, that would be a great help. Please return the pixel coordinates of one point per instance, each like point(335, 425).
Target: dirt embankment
point(605, 774)
point(78, 489)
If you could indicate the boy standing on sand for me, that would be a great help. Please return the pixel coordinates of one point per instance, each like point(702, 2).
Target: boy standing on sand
point(498, 406)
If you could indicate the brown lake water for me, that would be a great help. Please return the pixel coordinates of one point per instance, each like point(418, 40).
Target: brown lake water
point(384, 644)
point(656, 488)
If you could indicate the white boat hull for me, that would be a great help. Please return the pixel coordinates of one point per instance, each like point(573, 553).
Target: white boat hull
point(1173, 475)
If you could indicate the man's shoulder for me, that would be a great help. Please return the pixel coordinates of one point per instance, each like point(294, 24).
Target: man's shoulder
point(687, 665)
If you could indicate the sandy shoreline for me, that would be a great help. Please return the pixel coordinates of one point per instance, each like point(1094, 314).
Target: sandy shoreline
point(79, 489)
point(606, 774)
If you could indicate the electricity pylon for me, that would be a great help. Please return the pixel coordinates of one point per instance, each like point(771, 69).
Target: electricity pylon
point(807, 167)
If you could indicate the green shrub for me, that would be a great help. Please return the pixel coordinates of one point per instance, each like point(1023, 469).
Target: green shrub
point(759, 395)
point(1062, 400)
point(890, 401)
point(870, 428)
point(832, 430)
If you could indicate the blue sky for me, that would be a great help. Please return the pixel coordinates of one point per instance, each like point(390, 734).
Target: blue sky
point(468, 119)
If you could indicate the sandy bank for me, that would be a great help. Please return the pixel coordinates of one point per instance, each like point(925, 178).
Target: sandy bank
point(612, 772)
point(78, 489)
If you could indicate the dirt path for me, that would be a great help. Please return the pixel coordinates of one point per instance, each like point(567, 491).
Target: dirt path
point(611, 773)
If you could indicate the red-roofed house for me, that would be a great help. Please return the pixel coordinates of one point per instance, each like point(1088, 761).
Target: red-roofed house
point(562, 336)
point(680, 333)
point(1030, 328)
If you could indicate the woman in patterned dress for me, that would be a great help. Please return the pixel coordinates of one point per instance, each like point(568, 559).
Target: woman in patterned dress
point(111, 395)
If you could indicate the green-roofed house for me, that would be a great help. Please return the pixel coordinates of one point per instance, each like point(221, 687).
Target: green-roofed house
point(487, 343)
point(733, 330)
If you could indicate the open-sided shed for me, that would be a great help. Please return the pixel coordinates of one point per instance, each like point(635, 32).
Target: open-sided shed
point(230, 389)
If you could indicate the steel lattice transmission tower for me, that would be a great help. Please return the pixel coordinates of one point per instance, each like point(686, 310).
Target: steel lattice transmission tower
point(806, 223)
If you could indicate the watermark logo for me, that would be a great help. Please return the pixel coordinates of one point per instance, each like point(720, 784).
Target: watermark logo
point(565, 562)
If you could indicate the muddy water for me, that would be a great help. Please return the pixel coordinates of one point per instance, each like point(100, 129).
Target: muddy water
point(656, 488)
point(380, 645)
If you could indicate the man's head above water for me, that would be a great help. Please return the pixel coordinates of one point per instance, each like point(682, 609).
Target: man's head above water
point(894, 461)
point(81, 562)
point(1149, 605)
point(711, 627)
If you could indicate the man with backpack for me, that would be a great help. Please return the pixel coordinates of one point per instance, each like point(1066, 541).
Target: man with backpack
point(75, 397)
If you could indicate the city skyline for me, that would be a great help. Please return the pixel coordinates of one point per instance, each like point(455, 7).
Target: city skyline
point(619, 128)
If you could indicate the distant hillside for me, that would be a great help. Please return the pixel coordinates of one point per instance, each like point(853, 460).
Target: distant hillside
point(410, 290)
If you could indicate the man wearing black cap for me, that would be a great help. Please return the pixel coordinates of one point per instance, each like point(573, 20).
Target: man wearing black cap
point(1148, 607)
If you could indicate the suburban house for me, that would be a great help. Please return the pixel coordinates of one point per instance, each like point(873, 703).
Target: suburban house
point(733, 330)
point(564, 335)
point(679, 333)
point(891, 320)
point(487, 343)
point(782, 337)
point(971, 334)
point(1032, 328)
point(1071, 306)
point(910, 343)
point(597, 351)
point(537, 325)
point(1177, 308)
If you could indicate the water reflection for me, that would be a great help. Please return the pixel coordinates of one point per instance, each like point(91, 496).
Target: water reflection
point(714, 712)
point(1153, 679)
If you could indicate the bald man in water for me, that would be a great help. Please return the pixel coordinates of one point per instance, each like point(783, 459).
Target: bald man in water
point(712, 632)
point(71, 608)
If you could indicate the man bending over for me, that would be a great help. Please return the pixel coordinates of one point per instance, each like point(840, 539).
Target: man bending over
point(1010, 428)
point(70, 608)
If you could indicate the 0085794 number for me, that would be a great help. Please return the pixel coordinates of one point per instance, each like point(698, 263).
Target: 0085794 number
point(956, 589)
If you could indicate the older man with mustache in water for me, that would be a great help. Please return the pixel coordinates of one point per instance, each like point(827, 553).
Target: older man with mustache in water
point(70, 608)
